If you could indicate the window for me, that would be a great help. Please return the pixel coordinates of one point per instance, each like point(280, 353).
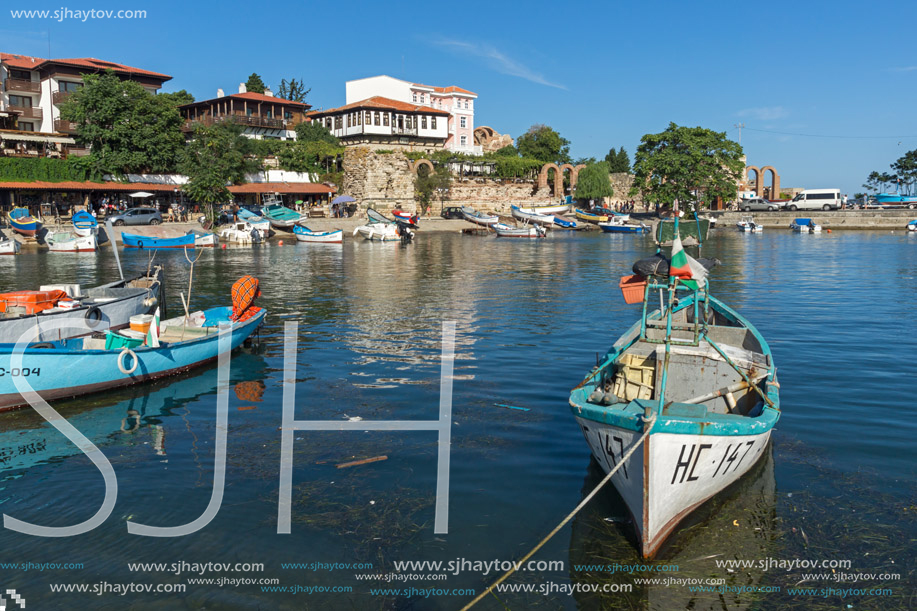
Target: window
point(21, 74)
point(385, 117)
point(68, 86)
point(466, 104)
point(414, 97)
point(462, 122)
point(21, 100)
point(287, 115)
point(339, 122)
point(463, 140)
point(422, 100)
point(349, 119)
point(369, 118)
point(423, 122)
point(25, 127)
point(376, 117)
point(432, 122)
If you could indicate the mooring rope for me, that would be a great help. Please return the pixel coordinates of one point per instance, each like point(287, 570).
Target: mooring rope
point(649, 425)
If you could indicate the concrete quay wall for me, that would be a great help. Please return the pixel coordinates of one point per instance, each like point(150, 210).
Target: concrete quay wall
point(833, 219)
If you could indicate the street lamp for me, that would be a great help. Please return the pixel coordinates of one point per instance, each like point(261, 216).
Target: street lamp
point(443, 193)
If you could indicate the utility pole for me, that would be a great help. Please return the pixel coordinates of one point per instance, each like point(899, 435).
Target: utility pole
point(739, 126)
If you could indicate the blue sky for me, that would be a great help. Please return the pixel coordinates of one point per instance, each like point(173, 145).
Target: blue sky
point(601, 73)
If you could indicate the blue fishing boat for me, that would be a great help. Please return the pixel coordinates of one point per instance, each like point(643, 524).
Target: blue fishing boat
point(912, 226)
point(478, 217)
point(805, 226)
point(23, 223)
point(693, 382)
point(616, 225)
point(896, 199)
point(84, 223)
point(74, 367)
point(132, 240)
point(562, 222)
point(304, 234)
point(257, 222)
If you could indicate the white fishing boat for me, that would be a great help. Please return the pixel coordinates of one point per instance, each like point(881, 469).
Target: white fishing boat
point(912, 226)
point(530, 231)
point(84, 223)
point(694, 382)
point(748, 225)
point(378, 232)
point(69, 242)
point(107, 306)
point(203, 239)
point(260, 223)
point(8, 246)
point(304, 234)
point(547, 210)
point(532, 217)
point(479, 218)
point(805, 226)
point(243, 232)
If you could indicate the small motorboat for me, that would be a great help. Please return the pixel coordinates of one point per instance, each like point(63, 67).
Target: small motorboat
point(84, 223)
point(406, 217)
point(562, 222)
point(380, 228)
point(479, 218)
point(304, 234)
point(258, 222)
point(243, 232)
point(203, 239)
point(611, 213)
point(548, 210)
point(70, 242)
point(37, 314)
point(912, 226)
point(23, 223)
point(805, 226)
point(132, 240)
point(527, 216)
point(8, 245)
point(130, 357)
point(590, 217)
point(693, 382)
point(529, 231)
point(280, 216)
point(748, 225)
point(616, 225)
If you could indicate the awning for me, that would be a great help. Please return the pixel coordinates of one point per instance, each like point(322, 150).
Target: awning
point(36, 138)
point(342, 199)
point(141, 194)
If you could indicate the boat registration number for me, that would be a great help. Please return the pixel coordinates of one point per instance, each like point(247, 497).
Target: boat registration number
point(17, 371)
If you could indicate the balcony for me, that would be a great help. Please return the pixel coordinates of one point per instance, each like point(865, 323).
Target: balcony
point(17, 84)
point(58, 97)
point(404, 131)
point(64, 127)
point(249, 121)
point(26, 112)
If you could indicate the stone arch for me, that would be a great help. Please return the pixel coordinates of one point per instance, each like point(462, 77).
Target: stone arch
point(483, 134)
point(558, 178)
point(775, 182)
point(416, 165)
point(559, 185)
point(758, 186)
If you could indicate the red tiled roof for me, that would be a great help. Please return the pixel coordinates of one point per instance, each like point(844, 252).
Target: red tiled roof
point(281, 187)
point(381, 103)
point(450, 89)
point(251, 97)
point(26, 62)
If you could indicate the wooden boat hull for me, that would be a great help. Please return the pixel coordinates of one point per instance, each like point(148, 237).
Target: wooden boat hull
point(132, 240)
point(70, 243)
point(9, 247)
point(548, 210)
point(672, 475)
point(589, 217)
point(622, 228)
point(532, 217)
point(204, 240)
point(51, 369)
point(84, 224)
point(378, 232)
point(107, 306)
point(304, 234)
point(243, 232)
point(281, 217)
point(505, 231)
point(479, 218)
point(26, 226)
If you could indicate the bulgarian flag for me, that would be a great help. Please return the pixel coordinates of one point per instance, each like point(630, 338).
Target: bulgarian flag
point(686, 267)
point(152, 336)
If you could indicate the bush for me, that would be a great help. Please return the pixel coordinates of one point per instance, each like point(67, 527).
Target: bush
point(14, 169)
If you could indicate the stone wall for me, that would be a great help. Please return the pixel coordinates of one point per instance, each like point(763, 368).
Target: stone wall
point(377, 181)
point(495, 195)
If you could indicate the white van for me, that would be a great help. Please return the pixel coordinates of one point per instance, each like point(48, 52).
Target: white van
point(816, 199)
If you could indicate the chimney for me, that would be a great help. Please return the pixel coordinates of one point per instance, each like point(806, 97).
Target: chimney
point(268, 92)
point(242, 88)
point(220, 93)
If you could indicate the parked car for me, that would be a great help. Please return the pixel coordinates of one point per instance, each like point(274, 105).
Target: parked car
point(138, 216)
point(758, 203)
point(452, 212)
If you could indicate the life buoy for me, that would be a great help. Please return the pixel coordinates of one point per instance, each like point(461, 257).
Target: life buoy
point(133, 368)
point(93, 317)
point(139, 243)
point(42, 345)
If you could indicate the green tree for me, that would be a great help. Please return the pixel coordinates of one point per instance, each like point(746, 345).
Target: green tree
point(507, 151)
point(127, 128)
point(594, 182)
point(308, 155)
point(254, 83)
point(544, 144)
point(293, 90)
point(179, 98)
point(430, 186)
point(681, 161)
point(217, 156)
point(618, 161)
point(311, 131)
point(585, 161)
point(906, 169)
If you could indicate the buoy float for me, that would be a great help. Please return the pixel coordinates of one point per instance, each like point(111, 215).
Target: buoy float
point(223, 246)
point(829, 231)
point(280, 243)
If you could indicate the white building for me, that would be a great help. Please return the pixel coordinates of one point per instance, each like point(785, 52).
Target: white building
point(457, 102)
point(381, 122)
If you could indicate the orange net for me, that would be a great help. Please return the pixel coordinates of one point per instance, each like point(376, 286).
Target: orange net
point(244, 292)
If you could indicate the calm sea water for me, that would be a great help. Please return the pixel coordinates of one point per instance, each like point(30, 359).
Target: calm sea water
point(838, 310)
